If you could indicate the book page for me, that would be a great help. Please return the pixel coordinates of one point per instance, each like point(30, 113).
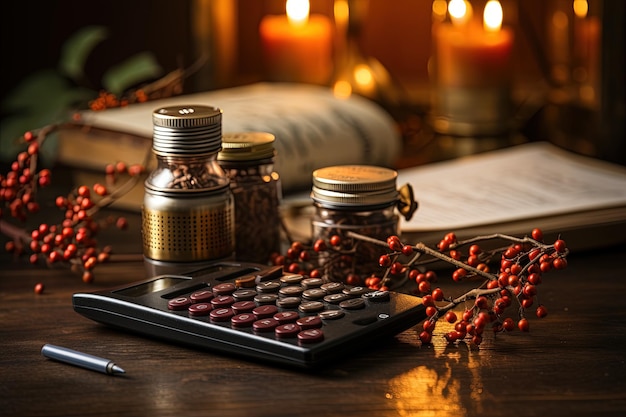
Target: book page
point(526, 181)
point(313, 128)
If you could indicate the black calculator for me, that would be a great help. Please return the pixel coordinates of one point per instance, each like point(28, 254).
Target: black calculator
point(257, 311)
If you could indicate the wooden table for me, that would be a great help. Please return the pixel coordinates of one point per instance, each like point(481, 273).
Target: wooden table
point(571, 363)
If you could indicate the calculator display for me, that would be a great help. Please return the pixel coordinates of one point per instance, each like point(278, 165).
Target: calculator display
point(150, 287)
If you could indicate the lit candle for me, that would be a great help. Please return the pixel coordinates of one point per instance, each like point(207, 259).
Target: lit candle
point(472, 56)
point(472, 72)
point(297, 47)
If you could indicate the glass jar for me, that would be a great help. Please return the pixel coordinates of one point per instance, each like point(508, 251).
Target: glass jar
point(188, 209)
point(248, 159)
point(354, 198)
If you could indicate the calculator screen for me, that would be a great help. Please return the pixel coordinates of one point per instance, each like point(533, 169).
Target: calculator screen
point(150, 287)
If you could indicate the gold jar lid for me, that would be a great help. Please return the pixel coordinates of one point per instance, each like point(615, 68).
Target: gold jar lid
point(246, 146)
point(354, 185)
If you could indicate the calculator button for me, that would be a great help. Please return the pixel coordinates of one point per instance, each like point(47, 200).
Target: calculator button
point(311, 336)
point(266, 299)
point(221, 314)
point(313, 294)
point(291, 291)
point(353, 304)
point(377, 296)
point(287, 330)
point(291, 279)
point(243, 306)
point(288, 302)
point(312, 282)
point(309, 322)
point(180, 303)
point(222, 301)
point(265, 325)
point(243, 320)
point(286, 317)
point(356, 291)
point(201, 296)
point(268, 286)
point(332, 287)
point(331, 314)
point(311, 306)
point(265, 311)
point(241, 295)
point(200, 309)
point(225, 288)
point(336, 298)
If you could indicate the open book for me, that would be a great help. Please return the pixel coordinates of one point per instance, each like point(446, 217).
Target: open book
point(313, 129)
point(509, 191)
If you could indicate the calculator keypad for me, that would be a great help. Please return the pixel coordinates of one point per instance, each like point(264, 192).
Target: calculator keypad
point(288, 306)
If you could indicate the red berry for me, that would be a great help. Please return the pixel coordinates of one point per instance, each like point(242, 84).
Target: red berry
point(523, 325)
point(560, 246)
point(450, 317)
point(335, 240)
point(542, 311)
point(437, 294)
point(537, 234)
point(39, 287)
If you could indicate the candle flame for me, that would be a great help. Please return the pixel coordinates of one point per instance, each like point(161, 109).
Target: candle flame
point(460, 11)
point(492, 16)
point(581, 8)
point(297, 11)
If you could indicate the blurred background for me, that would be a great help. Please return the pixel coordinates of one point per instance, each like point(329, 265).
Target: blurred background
point(567, 58)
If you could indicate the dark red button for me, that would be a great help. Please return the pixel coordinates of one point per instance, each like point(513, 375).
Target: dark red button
point(180, 303)
point(221, 314)
point(265, 325)
point(265, 311)
point(222, 301)
point(286, 316)
point(224, 288)
point(243, 306)
point(243, 320)
point(311, 336)
point(201, 296)
point(287, 330)
point(200, 309)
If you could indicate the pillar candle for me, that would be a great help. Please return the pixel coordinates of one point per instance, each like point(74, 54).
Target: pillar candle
point(297, 51)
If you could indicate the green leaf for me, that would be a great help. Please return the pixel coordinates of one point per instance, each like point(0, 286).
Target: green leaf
point(76, 50)
point(37, 90)
point(140, 67)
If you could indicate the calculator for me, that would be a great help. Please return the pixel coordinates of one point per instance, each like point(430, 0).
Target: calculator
point(255, 311)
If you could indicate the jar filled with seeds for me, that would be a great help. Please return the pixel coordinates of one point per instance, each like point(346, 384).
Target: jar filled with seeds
point(356, 198)
point(188, 209)
point(248, 159)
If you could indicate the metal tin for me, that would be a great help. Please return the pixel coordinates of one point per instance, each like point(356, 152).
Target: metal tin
point(188, 210)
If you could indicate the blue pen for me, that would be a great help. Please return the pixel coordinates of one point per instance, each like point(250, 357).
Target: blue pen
point(81, 359)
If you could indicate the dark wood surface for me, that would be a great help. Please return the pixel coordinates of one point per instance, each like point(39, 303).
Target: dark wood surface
point(572, 363)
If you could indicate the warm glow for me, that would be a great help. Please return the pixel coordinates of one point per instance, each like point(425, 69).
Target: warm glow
point(581, 8)
point(341, 12)
point(363, 76)
point(342, 89)
point(440, 7)
point(297, 11)
point(460, 11)
point(492, 16)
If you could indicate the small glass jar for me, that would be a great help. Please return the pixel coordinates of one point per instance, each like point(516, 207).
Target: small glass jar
point(354, 198)
point(188, 209)
point(248, 160)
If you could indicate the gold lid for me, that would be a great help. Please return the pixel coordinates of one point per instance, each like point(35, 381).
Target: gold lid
point(354, 185)
point(246, 146)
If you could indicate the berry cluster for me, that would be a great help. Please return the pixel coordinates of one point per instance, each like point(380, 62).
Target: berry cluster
point(522, 264)
point(73, 240)
point(18, 187)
